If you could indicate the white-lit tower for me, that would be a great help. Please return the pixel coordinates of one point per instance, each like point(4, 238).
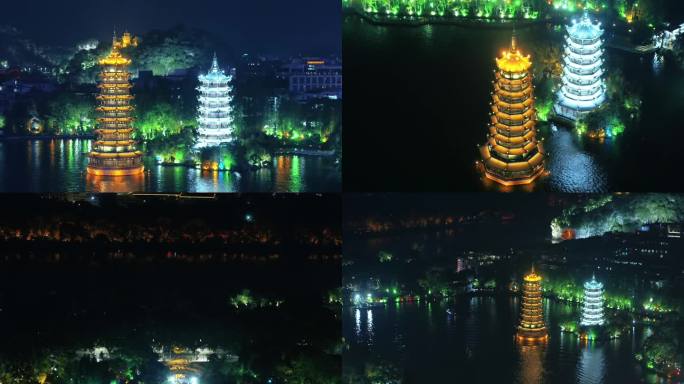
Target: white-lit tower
point(582, 89)
point(215, 110)
point(592, 307)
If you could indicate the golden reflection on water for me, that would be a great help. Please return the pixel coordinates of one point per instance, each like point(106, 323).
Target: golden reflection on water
point(284, 164)
point(109, 184)
point(531, 363)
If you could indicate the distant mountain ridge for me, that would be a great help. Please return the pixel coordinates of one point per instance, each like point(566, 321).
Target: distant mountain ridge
point(19, 50)
point(160, 51)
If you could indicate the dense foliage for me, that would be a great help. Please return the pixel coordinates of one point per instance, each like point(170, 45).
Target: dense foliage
point(71, 114)
point(619, 213)
point(161, 52)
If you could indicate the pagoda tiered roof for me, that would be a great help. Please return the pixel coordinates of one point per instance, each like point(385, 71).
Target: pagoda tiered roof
point(531, 326)
point(512, 155)
point(114, 152)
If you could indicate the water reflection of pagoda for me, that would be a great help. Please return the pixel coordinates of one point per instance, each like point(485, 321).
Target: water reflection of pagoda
point(532, 327)
point(512, 154)
point(114, 152)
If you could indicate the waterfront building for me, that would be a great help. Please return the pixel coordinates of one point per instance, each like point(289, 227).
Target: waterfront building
point(582, 89)
point(532, 327)
point(314, 78)
point(512, 155)
point(187, 364)
point(592, 305)
point(114, 152)
point(650, 253)
point(215, 109)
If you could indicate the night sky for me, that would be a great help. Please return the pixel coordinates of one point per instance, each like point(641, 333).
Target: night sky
point(359, 206)
point(288, 27)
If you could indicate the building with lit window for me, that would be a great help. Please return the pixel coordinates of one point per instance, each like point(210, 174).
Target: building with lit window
point(582, 89)
point(312, 78)
point(652, 252)
point(114, 152)
point(532, 326)
point(512, 155)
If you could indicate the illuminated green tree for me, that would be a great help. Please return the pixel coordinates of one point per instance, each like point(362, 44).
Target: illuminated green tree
point(163, 52)
point(159, 121)
point(242, 299)
point(662, 347)
point(71, 114)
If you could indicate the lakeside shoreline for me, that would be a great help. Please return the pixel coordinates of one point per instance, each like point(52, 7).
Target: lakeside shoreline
point(491, 294)
point(47, 137)
point(463, 21)
point(614, 42)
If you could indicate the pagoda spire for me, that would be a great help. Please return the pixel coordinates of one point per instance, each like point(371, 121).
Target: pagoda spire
point(214, 64)
point(514, 42)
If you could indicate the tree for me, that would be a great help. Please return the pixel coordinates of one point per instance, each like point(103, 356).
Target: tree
point(434, 282)
point(71, 114)
point(547, 60)
point(163, 52)
point(309, 369)
point(378, 372)
point(160, 120)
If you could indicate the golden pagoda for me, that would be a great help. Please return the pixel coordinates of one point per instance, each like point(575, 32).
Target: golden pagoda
point(114, 152)
point(512, 154)
point(532, 327)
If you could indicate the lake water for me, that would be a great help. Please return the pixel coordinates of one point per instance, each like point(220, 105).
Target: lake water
point(59, 166)
point(475, 344)
point(417, 104)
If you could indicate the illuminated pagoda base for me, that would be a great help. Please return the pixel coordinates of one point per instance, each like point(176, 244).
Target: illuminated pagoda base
point(216, 158)
point(512, 154)
point(215, 110)
point(114, 152)
point(583, 89)
point(531, 327)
